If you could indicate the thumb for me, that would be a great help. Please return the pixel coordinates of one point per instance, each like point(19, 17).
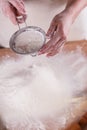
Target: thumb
point(51, 29)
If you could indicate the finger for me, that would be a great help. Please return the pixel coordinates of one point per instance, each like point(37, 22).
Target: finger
point(56, 48)
point(51, 43)
point(19, 17)
point(44, 49)
point(11, 15)
point(55, 43)
point(22, 2)
point(8, 11)
point(51, 29)
point(60, 41)
point(18, 5)
point(53, 54)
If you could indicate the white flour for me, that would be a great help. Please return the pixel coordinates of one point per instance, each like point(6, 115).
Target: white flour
point(37, 93)
point(29, 41)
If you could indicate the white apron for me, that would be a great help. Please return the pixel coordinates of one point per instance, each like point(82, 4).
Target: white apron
point(40, 13)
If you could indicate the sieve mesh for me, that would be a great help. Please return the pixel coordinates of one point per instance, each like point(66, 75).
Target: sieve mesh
point(28, 40)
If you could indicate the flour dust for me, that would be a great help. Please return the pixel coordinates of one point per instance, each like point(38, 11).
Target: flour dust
point(40, 93)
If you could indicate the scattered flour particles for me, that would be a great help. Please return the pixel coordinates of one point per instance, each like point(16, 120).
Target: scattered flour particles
point(41, 93)
point(29, 41)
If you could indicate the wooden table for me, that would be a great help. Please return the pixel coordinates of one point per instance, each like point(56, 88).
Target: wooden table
point(68, 47)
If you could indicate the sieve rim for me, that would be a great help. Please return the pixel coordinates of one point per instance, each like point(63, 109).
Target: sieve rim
point(24, 29)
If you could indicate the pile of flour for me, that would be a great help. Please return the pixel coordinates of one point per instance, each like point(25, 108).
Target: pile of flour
point(38, 93)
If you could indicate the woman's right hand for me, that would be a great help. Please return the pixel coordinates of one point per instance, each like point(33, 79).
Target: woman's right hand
point(13, 9)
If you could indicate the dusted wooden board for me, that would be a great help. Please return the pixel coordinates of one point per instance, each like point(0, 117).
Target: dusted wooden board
point(69, 46)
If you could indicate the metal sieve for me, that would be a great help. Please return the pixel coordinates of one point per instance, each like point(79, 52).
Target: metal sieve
point(28, 40)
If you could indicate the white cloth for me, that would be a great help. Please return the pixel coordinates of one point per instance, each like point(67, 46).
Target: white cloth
point(40, 13)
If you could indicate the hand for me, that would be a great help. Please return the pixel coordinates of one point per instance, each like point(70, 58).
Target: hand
point(57, 33)
point(12, 9)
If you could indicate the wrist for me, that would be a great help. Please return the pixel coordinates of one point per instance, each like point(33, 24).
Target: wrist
point(67, 15)
point(75, 7)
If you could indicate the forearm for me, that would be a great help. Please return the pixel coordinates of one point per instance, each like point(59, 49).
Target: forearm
point(74, 7)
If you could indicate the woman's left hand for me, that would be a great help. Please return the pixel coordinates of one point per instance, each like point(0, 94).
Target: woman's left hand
point(57, 33)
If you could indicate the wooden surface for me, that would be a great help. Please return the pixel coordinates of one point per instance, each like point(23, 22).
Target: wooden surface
point(81, 124)
point(68, 47)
